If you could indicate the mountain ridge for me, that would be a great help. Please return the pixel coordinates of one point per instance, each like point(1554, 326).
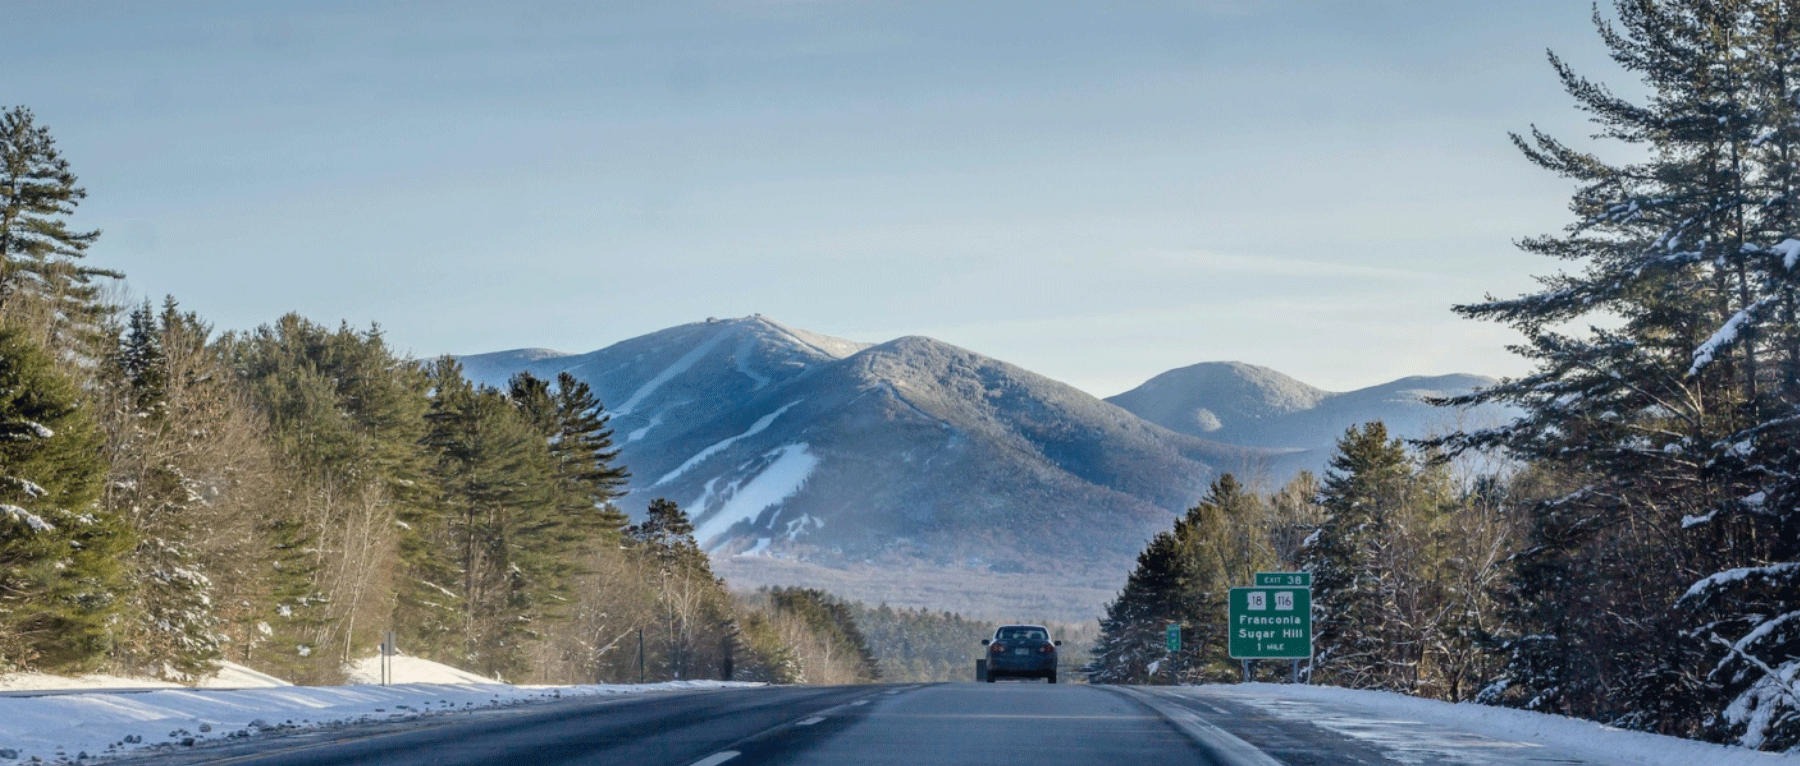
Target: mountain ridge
point(915, 454)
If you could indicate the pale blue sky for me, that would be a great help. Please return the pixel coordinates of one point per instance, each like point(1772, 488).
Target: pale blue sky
point(1098, 191)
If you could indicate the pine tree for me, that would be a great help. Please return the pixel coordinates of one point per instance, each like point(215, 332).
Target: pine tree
point(169, 620)
point(1131, 647)
point(59, 575)
point(346, 415)
point(692, 613)
point(1365, 486)
point(494, 474)
point(41, 276)
point(1672, 430)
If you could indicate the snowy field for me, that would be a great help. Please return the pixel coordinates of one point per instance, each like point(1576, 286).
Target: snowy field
point(1410, 730)
point(68, 727)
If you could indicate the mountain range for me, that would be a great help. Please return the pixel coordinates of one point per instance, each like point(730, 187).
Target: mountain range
point(919, 473)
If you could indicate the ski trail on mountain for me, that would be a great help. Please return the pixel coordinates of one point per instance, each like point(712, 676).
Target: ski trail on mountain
point(685, 363)
point(783, 478)
point(758, 427)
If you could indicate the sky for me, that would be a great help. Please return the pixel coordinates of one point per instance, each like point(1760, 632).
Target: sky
point(1096, 191)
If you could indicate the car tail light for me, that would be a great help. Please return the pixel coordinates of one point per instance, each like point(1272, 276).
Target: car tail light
point(1047, 649)
point(997, 648)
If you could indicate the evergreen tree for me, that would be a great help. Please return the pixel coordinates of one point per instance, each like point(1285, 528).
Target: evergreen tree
point(834, 622)
point(347, 416)
point(494, 474)
point(1185, 577)
point(692, 613)
point(1365, 485)
point(573, 423)
point(169, 620)
point(1131, 646)
point(59, 575)
point(1671, 432)
point(39, 253)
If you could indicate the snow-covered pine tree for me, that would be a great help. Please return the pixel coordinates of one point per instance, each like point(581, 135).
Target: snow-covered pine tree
point(60, 579)
point(1671, 427)
point(1367, 481)
point(169, 620)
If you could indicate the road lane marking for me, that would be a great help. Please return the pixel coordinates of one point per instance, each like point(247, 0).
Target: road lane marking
point(860, 702)
point(716, 758)
point(1222, 745)
point(809, 721)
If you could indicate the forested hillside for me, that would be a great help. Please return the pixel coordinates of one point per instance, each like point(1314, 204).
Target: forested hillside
point(1634, 555)
point(171, 496)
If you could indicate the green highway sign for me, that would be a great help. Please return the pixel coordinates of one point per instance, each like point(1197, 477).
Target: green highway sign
point(1285, 579)
point(1270, 623)
point(1173, 637)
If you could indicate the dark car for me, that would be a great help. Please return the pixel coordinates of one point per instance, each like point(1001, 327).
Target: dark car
point(1021, 651)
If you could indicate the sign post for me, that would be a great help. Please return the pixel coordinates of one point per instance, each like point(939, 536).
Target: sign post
point(388, 650)
point(1273, 620)
point(1172, 640)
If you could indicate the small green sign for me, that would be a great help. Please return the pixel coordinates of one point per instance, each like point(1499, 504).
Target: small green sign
point(1284, 579)
point(1270, 623)
point(1173, 637)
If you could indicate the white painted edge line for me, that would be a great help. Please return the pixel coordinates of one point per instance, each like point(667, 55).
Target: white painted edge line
point(808, 721)
point(1224, 747)
point(716, 758)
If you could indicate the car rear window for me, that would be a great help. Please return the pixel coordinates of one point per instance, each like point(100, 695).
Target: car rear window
point(1024, 634)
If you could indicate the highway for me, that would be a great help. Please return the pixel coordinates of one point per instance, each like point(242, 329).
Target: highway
point(880, 725)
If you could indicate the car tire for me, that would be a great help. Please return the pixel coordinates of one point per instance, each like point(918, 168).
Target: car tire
point(991, 677)
point(1051, 678)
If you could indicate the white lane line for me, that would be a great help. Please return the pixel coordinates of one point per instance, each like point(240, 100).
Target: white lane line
point(808, 721)
point(716, 758)
point(860, 702)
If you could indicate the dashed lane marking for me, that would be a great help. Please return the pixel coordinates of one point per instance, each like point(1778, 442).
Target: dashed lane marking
point(860, 702)
point(716, 758)
point(808, 721)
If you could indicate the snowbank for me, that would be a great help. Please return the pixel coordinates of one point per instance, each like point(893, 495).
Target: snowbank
point(229, 676)
point(71, 727)
point(1414, 730)
point(410, 670)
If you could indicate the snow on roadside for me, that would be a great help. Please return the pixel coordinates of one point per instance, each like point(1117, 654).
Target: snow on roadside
point(1408, 728)
point(65, 728)
point(410, 670)
point(229, 676)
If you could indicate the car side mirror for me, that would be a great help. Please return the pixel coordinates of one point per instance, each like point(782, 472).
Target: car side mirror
point(1058, 643)
point(985, 642)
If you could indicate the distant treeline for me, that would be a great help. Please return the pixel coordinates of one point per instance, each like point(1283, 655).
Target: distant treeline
point(171, 496)
point(1636, 557)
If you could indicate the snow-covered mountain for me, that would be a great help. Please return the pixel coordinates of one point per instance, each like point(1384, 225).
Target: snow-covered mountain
point(814, 451)
point(915, 452)
point(1253, 406)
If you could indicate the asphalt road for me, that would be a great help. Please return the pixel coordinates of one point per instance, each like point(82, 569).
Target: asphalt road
point(964, 723)
point(886, 725)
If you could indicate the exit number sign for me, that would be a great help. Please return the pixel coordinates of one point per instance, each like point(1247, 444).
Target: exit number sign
point(1270, 623)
